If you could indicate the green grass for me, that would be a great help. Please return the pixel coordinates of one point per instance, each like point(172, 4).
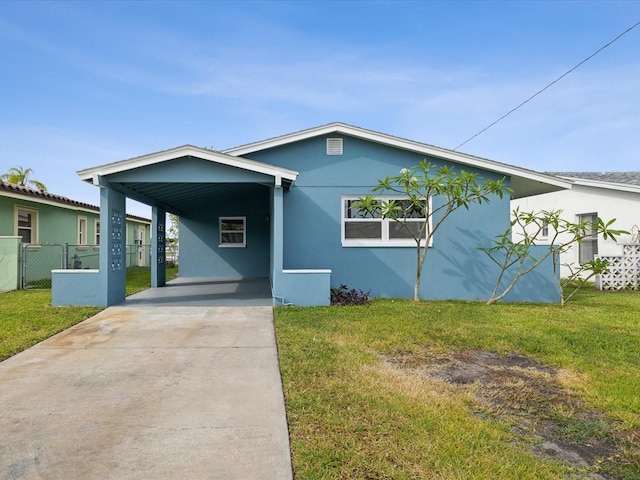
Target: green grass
point(352, 416)
point(139, 278)
point(27, 317)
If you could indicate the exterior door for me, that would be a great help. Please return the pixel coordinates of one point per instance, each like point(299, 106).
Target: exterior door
point(141, 247)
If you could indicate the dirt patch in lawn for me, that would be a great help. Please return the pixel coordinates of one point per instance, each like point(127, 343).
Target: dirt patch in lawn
point(533, 399)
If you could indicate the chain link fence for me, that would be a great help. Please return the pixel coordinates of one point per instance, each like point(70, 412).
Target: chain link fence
point(37, 260)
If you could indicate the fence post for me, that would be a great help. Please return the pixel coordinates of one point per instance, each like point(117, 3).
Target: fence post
point(23, 261)
point(65, 255)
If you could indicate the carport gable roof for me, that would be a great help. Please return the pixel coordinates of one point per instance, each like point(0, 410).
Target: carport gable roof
point(524, 182)
point(156, 180)
point(281, 175)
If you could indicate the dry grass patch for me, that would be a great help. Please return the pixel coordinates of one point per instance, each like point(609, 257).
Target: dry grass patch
point(533, 399)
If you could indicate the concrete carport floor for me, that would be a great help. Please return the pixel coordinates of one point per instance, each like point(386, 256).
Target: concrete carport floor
point(141, 392)
point(206, 291)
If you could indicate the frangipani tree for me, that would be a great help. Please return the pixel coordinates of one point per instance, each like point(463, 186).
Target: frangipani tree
point(174, 228)
point(432, 193)
point(511, 251)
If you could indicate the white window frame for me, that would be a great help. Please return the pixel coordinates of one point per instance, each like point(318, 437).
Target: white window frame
point(544, 231)
point(591, 239)
point(82, 234)
point(384, 240)
point(242, 244)
point(35, 219)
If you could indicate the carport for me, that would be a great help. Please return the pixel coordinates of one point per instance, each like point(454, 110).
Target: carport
point(231, 209)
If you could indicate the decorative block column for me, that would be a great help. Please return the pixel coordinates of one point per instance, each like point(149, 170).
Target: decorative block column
point(158, 247)
point(112, 244)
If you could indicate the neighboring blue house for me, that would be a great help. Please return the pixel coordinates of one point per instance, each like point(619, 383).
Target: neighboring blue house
point(279, 208)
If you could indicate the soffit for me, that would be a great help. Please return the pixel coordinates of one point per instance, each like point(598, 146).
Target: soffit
point(181, 198)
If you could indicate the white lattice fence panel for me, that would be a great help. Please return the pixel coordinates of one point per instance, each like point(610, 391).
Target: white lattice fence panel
point(624, 270)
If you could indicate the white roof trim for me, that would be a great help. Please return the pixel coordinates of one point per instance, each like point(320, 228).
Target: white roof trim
point(423, 148)
point(623, 187)
point(186, 150)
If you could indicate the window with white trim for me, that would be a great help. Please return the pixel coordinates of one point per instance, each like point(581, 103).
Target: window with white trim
point(26, 224)
point(544, 231)
point(588, 247)
point(364, 229)
point(82, 230)
point(233, 231)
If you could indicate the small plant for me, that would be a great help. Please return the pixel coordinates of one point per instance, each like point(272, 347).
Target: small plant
point(345, 297)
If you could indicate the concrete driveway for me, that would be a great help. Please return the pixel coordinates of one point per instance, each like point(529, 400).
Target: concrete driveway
point(148, 393)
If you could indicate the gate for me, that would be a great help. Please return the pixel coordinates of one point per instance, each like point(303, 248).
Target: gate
point(37, 262)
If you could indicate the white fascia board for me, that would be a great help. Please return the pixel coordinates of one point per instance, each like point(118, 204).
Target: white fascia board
point(623, 187)
point(187, 150)
point(405, 144)
point(285, 139)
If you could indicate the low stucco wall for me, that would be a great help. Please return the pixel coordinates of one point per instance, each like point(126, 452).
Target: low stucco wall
point(78, 287)
point(303, 287)
point(9, 263)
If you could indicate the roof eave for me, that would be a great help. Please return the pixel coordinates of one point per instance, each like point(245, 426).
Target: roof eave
point(533, 183)
point(45, 198)
point(92, 174)
point(623, 187)
point(537, 185)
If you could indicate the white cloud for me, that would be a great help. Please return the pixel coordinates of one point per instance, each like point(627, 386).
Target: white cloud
point(265, 77)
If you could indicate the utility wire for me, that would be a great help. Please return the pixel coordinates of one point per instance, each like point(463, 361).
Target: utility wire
point(549, 85)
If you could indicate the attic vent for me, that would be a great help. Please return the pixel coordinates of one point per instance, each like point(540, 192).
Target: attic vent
point(334, 146)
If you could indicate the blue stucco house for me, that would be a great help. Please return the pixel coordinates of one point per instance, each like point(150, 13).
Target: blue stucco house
point(279, 208)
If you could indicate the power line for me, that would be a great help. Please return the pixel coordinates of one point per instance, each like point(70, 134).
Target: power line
point(549, 85)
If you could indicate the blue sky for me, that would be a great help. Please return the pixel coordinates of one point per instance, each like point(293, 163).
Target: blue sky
point(88, 83)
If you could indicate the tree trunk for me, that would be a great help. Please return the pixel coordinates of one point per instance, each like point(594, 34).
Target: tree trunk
point(416, 287)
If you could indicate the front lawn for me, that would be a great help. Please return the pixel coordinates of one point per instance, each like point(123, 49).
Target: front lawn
point(27, 317)
point(438, 390)
point(462, 390)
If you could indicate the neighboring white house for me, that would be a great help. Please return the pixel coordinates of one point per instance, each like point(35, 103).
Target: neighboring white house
point(605, 195)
